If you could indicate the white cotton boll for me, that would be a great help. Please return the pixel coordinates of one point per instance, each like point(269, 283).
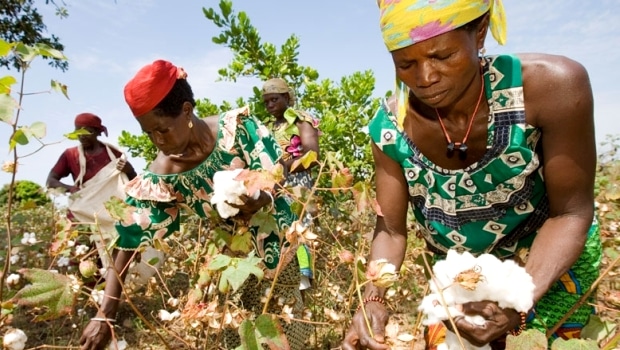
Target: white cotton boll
point(434, 311)
point(13, 279)
point(15, 339)
point(97, 295)
point(29, 238)
point(168, 316)
point(463, 278)
point(118, 345)
point(227, 190)
point(63, 261)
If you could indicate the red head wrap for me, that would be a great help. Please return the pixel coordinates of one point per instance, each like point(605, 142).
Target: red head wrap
point(150, 85)
point(89, 120)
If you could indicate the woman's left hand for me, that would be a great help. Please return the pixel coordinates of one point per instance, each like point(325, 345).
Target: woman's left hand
point(498, 322)
point(250, 205)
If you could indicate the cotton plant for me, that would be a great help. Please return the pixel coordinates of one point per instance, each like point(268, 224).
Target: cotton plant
point(226, 191)
point(463, 278)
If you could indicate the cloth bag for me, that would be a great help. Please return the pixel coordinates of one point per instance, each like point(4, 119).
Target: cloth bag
point(87, 206)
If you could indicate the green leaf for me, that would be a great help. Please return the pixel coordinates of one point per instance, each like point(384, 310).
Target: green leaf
point(574, 344)
point(265, 222)
point(306, 161)
point(221, 237)
point(249, 265)
point(265, 330)
point(247, 332)
point(57, 86)
point(48, 290)
point(38, 130)
point(74, 135)
point(270, 332)
point(219, 262)
point(530, 339)
point(25, 53)
point(242, 243)
point(48, 51)
point(7, 108)
point(19, 137)
point(597, 329)
point(240, 269)
point(5, 48)
point(5, 84)
point(611, 252)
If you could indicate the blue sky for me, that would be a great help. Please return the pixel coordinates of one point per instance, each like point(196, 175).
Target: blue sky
point(107, 41)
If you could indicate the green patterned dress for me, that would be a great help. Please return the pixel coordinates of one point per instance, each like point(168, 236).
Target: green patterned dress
point(155, 201)
point(497, 204)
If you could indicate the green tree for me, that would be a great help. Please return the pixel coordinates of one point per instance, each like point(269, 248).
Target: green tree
point(344, 107)
point(25, 193)
point(20, 21)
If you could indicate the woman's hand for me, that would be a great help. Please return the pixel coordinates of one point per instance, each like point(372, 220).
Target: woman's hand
point(498, 322)
point(95, 336)
point(251, 205)
point(120, 164)
point(358, 337)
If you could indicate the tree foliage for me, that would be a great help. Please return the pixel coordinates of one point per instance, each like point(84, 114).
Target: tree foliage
point(25, 193)
point(20, 21)
point(344, 107)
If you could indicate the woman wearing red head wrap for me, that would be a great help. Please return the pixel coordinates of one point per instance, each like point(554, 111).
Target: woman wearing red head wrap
point(191, 152)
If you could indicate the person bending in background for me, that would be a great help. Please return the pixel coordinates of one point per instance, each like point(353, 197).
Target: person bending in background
point(297, 132)
point(99, 172)
point(495, 155)
point(191, 151)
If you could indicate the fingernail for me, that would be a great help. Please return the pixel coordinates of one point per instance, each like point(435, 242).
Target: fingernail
point(459, 307)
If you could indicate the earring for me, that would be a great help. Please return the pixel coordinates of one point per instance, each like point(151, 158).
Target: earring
point(481, 53)
point(190, 124)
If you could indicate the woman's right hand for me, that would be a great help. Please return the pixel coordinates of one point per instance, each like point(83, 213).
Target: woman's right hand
point(358, 337)
point(95, 336)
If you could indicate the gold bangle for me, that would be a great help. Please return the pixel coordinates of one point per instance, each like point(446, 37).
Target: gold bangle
point(515, 332)
point(374, 298)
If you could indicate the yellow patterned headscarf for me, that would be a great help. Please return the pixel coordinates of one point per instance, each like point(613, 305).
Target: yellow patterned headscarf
point(406, 22)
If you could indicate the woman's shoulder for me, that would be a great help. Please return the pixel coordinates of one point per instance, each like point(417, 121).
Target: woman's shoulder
point(546, 75)
point(547, 68)
point(553, 83)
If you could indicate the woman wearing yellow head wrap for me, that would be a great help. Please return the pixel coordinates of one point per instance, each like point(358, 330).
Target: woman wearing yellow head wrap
point(297, 133)
point(495, 155)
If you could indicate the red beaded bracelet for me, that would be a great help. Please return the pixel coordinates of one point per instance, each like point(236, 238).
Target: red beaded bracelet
point(521, 327)
point(375, 298)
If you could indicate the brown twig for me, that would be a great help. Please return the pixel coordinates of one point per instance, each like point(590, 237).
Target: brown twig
point(443, 301)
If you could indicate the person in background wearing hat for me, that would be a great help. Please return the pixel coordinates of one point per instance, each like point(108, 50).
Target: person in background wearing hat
point(495, 154)
point(191, 152)
point(95, 180)
point(94, 152)
point(296, 131)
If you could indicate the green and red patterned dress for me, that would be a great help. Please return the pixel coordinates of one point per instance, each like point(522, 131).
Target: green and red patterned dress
point(287, 135)
point(497, 204)
point(156, 201)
